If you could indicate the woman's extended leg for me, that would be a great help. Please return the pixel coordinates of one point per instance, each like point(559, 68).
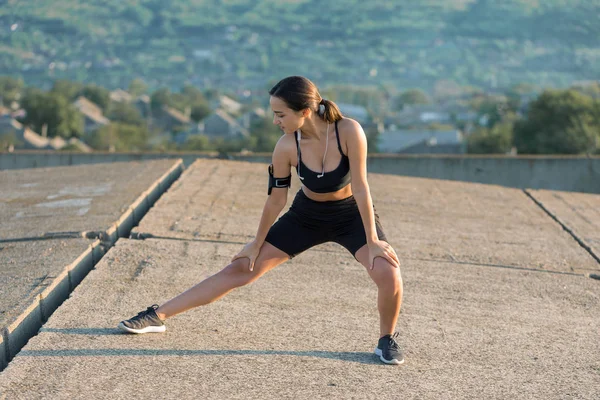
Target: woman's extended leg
point(218, 285)
point(389, 299)
point(389, 285)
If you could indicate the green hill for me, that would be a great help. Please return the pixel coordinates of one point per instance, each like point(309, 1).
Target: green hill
point(244, 44)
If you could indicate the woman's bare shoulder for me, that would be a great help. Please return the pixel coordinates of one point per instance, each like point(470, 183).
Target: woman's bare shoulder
point(285, 149)
point(349, 125)
point(351, 133)
point(285, 143)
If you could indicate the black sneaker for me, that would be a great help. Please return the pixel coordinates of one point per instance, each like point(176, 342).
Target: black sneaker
point(145, 322)
point(388, 350)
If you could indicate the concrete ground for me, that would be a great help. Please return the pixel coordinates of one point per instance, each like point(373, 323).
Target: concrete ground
point(52, 220)
point(497, 302)
point(578, 213)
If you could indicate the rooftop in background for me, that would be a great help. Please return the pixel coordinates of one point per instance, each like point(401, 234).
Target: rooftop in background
point(27, 139)
point(419, 141)
point(354, 111)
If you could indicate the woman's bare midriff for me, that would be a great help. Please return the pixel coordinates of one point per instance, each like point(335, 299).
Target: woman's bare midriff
point(341, 194)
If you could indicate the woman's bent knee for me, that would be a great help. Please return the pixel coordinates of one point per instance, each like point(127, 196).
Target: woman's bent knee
point(239, 272)
point(386, 275)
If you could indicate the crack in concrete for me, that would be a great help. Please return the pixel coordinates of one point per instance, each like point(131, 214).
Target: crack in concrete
point(47, 236)
point(144, 236)
point(581, 242)
point(495, 266)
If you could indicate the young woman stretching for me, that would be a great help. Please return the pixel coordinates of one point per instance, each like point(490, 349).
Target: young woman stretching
point(334, 204)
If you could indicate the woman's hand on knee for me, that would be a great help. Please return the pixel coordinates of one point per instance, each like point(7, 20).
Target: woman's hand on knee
point(250, 251)
point(382, 249)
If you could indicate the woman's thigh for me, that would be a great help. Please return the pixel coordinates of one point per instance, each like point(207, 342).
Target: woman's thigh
point(268, 258)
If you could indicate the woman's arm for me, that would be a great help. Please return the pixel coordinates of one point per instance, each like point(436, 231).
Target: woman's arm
point(274, 204)
point(357, 153)
point(278, 197)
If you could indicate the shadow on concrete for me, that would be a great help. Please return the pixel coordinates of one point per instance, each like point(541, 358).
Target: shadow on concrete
point(84, 331)
point(496, 266)
point(356, 357)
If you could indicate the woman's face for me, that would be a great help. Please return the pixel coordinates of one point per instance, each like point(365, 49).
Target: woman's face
point(288, 120)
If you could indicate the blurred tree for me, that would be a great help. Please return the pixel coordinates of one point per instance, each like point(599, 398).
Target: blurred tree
point(125, 113)
point(119, 137)
point(444, 89)
point(224, 146)
point(411, 97)
point(197, 143)
point(71, 147)
point(497, 140)
point(265, 134)
point(9, 140)
point(592, 90)
point(192, 100)
point(10, 90)
point(160, 98)
point(138, 14)
point(494, 107)
point(559, 122)
point(212, 94)
point(372, 139)
point(137, 87)
point(192, 94)
point(61, 118)
point(200, 110)
point(179, 101)
point(68, 89)
point(98, 95)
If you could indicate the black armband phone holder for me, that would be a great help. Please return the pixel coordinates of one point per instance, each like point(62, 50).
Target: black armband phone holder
point(278, 182)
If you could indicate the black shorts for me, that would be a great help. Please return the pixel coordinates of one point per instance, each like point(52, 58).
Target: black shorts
point(308, 223)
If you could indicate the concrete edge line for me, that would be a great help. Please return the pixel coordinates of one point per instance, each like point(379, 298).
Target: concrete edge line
point(580, 241)
point(28, 323)
point(144, 202)
point(134, 213)
point(3, 356)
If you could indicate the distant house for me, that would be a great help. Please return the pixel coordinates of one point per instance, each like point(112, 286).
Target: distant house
point(229, 105)
point(142, 103)
point(252, 116)
point(79, 145)
point(92, 114)
point(169, 119)
point(422, 142)
point(220, 123)
point(466, 116)
point(423, 114)
point(354, 111)
point(29, 140)
point(120, 96)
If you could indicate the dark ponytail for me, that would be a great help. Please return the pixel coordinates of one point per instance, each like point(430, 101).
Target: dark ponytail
point(331, 113)
point(300, 93)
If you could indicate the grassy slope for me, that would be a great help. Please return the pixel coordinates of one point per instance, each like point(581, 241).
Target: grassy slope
point(406, 42)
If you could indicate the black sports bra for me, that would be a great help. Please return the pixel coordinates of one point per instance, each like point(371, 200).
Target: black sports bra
point(329, 181)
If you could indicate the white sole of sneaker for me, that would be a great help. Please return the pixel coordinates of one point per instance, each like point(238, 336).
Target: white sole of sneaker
point(148, 329)
point(379, 353)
